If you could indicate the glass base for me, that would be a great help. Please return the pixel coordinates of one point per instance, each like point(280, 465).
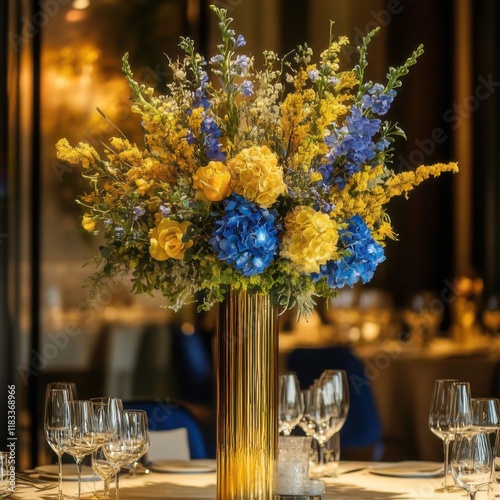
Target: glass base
point(453, 488)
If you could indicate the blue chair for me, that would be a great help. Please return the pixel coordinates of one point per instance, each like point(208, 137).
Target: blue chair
point(362, 427)
point(167, 416)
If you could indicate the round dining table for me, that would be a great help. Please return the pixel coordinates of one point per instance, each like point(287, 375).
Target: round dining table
point(356, 480)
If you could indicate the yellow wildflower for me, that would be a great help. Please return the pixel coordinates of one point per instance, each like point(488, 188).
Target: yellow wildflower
point(310, 239)
point(83, 153)
point(256, 175)
point(166, 240)
point(88, 223)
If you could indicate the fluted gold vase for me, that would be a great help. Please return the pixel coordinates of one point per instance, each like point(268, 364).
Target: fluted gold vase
point(247, 364)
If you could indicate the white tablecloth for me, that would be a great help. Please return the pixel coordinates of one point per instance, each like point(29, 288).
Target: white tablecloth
point(360, 485)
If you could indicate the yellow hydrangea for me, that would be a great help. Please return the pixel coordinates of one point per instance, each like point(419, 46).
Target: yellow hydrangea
point(256, 175)
point(166, 240)
point(310, 239)
point(212, 182)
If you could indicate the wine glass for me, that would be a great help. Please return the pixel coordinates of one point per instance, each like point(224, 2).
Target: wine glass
point(104, 427)
point(440, 422)
point(136, 427)
point(327, 407)
point(471, 461)
point(115, 449)
point(291, 404)
point(82, 440)
point(105, 469)
point(57, 421)
point(461, 409)
point(485, 414)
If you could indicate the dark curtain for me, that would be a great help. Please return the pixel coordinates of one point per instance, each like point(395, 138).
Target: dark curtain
point(486, 170)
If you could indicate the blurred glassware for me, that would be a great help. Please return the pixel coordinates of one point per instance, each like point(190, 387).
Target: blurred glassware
point(471, 461)
point(423, 315)
point(4, 474)
point(328, 405)
point(485, 415)
point(291, 403)
point(491, 315)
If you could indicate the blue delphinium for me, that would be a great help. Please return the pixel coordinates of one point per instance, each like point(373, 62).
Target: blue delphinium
point(211, 134)
point(354, 141)
point(364, 255)
point(378, 100)
point(245, 236)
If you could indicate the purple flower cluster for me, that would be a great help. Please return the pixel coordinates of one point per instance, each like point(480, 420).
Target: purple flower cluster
point(365, 254)
point(377, 100)
point(211, 144)
point(354, 141)
point(245, 236)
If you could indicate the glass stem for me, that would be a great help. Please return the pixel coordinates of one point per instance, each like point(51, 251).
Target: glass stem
point(60, 495)
point(106, 488)
point(321, 458)
point(117, 491)
point(446, 447)
point(79, 474)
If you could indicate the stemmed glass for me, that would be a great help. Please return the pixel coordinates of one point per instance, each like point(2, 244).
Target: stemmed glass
point(440, 422)
point(105, 469)
point(105, 425)
point(471, 461)
point(327, 408)
point(450, 413)
point(137, 430)
point(291, 404)
point(57, 421)
point(485, 414)
point(115, 449)
point(82, 440)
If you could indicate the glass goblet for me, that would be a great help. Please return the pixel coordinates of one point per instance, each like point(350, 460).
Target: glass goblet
point(105, 469)
point(82, 440)
point(441, 423)
point(136, 427)
point(291, 404)
point(485, 414)
point(57, 422)
point(471, 461)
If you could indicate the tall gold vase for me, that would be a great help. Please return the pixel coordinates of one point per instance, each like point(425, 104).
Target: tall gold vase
point(247, 364)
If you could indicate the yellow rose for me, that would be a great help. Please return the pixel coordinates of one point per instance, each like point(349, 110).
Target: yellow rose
point(310, 239)
point(88, 223)
point(212, 182)
point(256, 175)
point(166, 240)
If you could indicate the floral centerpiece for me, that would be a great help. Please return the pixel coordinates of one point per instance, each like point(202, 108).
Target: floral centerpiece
point(273, 180)
point(265, 188)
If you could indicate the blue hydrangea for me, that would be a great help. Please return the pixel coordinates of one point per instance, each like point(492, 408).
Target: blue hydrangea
point(354, 141)
point(378, 100)
point(364, 255)
point(246, 236)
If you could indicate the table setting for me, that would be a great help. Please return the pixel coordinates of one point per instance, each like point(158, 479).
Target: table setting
point(117, 441)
